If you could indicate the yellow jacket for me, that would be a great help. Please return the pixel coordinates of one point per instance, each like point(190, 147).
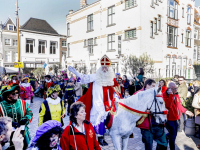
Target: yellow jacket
point(55, 110)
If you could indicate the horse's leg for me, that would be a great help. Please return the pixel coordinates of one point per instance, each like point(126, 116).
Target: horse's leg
point(116, 141)
point(125, 143)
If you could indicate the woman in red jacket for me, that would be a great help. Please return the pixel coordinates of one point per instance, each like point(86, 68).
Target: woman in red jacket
point(163, 85)
point(79, 134)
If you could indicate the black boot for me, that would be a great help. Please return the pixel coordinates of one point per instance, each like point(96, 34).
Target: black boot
point(100, 140)
point(31, 99)
point(105, 143)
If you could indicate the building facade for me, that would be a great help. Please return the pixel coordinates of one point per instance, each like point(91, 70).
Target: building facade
point(40, 44)
point(196, 54)
point(8, 47)
point(161, 28)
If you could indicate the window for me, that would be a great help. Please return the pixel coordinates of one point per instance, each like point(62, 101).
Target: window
point(11, 27)
point(189, 15)
point(53, 48)
point(95, 41)
point(199, 34)
point(119, 44)
point(152, 2)
point(130, 34)
point(7, 42)
point(182, 38)
point(130, 3)
point(90, 22)
point(182, 12)
point(7, 56)
point(111, 41)
point(111, 13)
point(68, 29)
point(195, 52)
point(29, 46)
point(14, 42)
point(15, 57)
point(195, 34)
point(41, 47)
point(151, 29)
point(172, 9)
point(68, 49)
point(172, 33)
point(156, 25)
point(198, 53)
point(188, 38)
point(85, 43)
point(64, 43)
point(159, 22)
point(90, 46)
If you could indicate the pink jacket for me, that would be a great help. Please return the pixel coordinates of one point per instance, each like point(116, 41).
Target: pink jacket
point(29, 90)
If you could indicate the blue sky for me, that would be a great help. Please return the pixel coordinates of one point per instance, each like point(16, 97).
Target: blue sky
point(53, 11)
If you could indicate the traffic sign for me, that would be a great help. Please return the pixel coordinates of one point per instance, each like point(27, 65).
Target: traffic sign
point(18, 65)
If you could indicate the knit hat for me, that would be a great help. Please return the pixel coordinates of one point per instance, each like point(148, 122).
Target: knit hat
point(46, 126)
point(117, 74)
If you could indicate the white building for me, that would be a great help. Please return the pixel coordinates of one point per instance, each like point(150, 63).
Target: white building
point(8, 47)
point(40, 44)
point(196, 55)
point(161, 28)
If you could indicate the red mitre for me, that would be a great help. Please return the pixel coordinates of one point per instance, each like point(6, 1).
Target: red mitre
point(105, 61)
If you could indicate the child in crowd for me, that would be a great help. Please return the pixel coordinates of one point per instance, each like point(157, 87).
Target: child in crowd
point(126, 95)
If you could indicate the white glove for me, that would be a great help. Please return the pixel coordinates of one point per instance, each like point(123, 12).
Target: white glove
point(73, 70)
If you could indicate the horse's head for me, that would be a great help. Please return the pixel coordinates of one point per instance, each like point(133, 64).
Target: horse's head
point(157, 105)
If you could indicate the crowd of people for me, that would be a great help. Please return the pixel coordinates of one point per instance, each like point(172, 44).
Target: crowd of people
point(64, 96)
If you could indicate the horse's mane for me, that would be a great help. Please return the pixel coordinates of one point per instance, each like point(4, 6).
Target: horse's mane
point(139, 101)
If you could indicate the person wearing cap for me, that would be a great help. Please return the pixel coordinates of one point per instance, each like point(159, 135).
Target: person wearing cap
point(53, 107)
point(29, 89)
point(103, 88)
point(13, 80)
point(46, 84)
point(17, 109)
point(79, 134)
point(47, 136)
point(69, 95)
point(117, 76)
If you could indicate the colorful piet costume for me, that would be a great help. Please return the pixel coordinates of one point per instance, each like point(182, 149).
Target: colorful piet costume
point(23, 93)
point(28, 89)
point(18, 110)
point(52, 109)
point(102, 90)
point(47, 84)
point(12, 81)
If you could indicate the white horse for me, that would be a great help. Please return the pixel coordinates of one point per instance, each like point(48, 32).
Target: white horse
point(124, 122)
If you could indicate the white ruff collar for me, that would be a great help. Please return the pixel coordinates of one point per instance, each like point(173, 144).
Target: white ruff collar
point(48, 80)
point(52, 101)
point(26, 84)
point(14, 81)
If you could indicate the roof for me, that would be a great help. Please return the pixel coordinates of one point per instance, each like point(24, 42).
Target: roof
point(9, 21)
point(38, 25)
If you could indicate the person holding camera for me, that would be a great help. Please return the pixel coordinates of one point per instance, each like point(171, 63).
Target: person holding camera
point(173, 104)
point(6, 133)
point(17, 109)
point(138, 79)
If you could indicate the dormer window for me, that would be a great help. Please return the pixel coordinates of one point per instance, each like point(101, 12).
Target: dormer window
point(11, 27)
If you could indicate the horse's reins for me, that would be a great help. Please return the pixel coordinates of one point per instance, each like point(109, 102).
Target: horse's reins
point(148, 113)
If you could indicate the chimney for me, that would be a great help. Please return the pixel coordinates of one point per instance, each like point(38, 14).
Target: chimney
point(83, 3)
point(70, 12)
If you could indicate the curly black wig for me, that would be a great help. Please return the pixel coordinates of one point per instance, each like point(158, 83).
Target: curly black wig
point(44, 141)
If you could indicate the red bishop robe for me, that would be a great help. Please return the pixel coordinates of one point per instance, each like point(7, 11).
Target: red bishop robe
point(87, 98)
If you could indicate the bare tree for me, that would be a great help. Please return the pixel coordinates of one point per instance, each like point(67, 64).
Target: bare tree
point(133, 63)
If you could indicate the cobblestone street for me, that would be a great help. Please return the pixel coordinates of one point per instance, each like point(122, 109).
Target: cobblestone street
point(182, 143)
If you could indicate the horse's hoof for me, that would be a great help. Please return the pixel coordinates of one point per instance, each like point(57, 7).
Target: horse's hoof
point(105, 143)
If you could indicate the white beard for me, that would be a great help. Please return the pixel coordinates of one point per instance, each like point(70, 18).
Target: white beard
point(105, 78)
